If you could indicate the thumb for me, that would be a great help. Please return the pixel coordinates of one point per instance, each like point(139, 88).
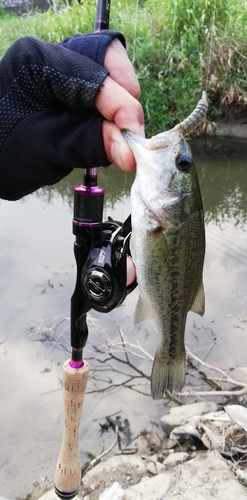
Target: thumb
point(116, 148)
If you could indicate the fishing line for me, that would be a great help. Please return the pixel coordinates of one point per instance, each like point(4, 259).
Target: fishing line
point(135, 31)
point(212, 32)
point(133, 60)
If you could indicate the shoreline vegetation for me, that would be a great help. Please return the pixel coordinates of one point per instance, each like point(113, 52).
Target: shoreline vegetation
point(178, 49)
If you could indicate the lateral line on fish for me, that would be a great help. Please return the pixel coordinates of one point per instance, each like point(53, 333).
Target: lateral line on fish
point(174, 330)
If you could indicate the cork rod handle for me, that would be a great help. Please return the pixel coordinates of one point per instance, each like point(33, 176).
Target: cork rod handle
point(68, 470)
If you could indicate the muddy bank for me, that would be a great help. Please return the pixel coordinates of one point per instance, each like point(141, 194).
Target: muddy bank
point(237, 130)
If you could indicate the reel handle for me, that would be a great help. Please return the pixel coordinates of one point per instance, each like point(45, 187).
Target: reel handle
point(68, 470)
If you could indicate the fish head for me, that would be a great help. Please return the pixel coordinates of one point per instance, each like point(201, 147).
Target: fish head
point(172, 163)
point(165, 174)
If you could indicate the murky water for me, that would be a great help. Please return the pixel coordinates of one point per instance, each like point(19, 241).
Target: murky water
point(37, 280)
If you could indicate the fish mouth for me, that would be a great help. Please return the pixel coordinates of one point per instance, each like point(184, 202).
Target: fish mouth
point(133, 139)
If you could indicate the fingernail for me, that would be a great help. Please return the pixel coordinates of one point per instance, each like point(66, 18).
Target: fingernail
point(142, 130)
point(116, 154)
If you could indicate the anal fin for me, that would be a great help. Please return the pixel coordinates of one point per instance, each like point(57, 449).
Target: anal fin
point(199, 302)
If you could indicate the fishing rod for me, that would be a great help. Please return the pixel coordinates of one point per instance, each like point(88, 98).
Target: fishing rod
point(101, 250)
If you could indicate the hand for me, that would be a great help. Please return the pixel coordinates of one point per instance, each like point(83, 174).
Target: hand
point(117, 102)
point(62, 110)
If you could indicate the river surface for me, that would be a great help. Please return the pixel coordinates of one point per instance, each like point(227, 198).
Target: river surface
point(37, 280)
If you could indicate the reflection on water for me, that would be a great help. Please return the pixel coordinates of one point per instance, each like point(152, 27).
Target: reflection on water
point(222, 167)
point(37, 280)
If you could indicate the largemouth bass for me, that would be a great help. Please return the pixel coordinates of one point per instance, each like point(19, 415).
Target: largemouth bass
point(167, 244)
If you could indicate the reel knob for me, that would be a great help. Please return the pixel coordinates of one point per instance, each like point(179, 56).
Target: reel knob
point(97, 285)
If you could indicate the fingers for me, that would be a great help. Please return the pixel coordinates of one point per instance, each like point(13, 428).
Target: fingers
point(121, 69)
point(117, 105)
point(121, 111)
point(116, 148)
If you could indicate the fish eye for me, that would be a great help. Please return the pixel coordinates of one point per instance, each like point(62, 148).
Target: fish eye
point(183, 162)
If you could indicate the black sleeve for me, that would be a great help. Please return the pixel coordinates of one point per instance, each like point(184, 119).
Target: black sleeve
point(48, 123)
point(93, 45)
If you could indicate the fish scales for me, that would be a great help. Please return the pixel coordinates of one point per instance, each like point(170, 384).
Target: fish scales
point(168, 246)
point(175, 264)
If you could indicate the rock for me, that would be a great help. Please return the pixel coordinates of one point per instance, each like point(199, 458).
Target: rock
point(151, 467)
point(241, 475)
point(154, 458)
point(148, 442)
point(179, 415)
point(176, 458)
point(153, 440)
point(115, 492)
point(203, 478)
point(216, 430)
point(51, 495)
point(159, 467)
point(171, 443)
point(125, 469)
point(40, 490)
point(238, 414)
point(153, 488)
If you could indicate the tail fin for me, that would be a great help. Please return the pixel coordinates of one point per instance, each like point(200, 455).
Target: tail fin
point(167, 375)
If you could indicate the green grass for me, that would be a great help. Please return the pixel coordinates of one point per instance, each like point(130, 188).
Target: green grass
point(49, 26)
point(175, 46)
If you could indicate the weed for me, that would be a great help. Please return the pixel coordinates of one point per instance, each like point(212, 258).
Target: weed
point(178, 48)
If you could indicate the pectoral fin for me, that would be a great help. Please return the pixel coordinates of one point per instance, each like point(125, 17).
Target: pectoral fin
point(199, 302)
point(133, 245)
point(142, 314)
